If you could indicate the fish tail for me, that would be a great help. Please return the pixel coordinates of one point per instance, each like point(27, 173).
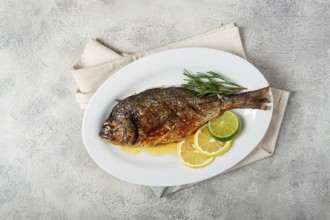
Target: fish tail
point(256, 99)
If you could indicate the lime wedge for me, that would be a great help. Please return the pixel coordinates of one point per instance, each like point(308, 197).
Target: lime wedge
point(225, 127)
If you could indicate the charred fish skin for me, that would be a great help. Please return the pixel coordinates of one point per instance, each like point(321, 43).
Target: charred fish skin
point(165, 115)
point(157, 116)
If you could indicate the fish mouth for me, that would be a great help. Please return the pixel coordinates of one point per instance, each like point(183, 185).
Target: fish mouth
point(104, 136)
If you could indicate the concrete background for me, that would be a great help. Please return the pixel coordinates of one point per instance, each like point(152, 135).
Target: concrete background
point(45, 171)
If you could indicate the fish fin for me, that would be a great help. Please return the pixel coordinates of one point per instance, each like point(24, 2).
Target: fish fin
point(256, 99)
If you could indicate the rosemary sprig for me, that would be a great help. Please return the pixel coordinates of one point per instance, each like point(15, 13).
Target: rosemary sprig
point(210, 83)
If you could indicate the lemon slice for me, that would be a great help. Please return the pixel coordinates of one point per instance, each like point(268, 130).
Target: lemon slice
point(190, 156)
point(225, 127)
point(208, 145)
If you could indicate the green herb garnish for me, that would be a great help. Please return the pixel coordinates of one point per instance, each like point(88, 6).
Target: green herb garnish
point(210, 84)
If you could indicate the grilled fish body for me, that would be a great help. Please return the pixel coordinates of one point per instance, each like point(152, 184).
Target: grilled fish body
point(165, 115)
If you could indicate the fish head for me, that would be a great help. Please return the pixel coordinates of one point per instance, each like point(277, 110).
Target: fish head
point(119, 131)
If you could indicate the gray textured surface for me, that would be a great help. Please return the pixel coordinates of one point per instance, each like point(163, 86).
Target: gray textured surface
point(46, 173)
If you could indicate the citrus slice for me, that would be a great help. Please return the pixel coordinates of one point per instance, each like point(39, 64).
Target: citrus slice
point(206, 144)
point(225, 127)
point(190, 156)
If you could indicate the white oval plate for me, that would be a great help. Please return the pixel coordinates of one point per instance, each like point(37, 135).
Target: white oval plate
point(165, 69)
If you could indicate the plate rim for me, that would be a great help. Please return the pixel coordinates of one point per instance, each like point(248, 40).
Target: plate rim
point(163, 52)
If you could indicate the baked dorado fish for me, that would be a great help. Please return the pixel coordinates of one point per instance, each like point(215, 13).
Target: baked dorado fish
point(165, 115)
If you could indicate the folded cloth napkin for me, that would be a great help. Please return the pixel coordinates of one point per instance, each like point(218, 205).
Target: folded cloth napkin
point(98, 62)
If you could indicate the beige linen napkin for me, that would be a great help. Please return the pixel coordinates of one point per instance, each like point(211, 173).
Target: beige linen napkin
point(98, 62)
